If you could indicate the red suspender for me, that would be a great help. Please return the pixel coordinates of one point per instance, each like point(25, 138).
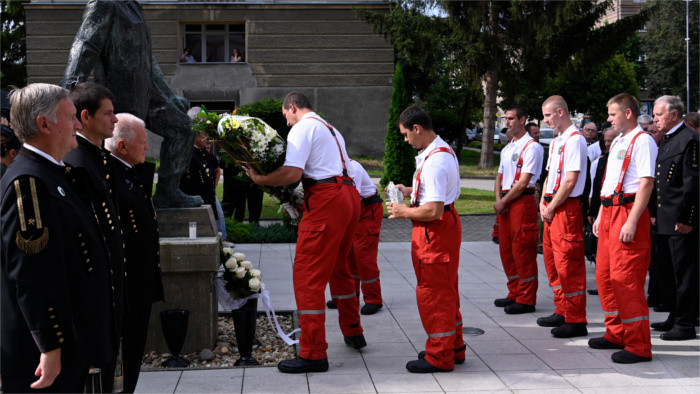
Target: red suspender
point(414, 199)
point(330, 128)
point(520, 164)
point(625, 163)
point(561, 161)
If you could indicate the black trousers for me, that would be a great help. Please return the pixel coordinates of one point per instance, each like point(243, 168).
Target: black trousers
point(678, 276)
point(134, 343)
point(653, 289)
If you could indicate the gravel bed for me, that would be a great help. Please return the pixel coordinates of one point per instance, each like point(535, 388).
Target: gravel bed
point(270, 350)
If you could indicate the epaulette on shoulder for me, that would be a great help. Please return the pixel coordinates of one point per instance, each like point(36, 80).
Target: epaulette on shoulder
point(32, 236)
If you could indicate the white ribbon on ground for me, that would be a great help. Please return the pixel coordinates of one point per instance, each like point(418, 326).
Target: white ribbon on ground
point(229, 302)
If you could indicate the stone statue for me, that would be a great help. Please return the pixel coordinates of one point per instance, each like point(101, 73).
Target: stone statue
point(115, 41)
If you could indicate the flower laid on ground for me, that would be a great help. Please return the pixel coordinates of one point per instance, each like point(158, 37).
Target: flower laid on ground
point(240, 278)
point(251, 142)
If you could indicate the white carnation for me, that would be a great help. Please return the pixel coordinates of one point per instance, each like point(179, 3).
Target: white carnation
point(256, 273)
point(231, 264)
point(247, 264)
point(240, 272)
point(254, 284)
point(239, 256)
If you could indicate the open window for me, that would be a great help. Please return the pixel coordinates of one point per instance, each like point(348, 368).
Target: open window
point(214, 43)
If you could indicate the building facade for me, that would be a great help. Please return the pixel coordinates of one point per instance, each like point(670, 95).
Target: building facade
point(318, 48)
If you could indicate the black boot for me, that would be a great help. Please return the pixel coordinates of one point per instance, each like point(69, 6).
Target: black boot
point(552, 320)
point(679, 333)
point(625, 357)
point(665, 325)
point(303, 365)
point(570, 330)
point(356, 342)
point(517, 309)
point(502, 302)
point(421, 355)
point(422, 366)
point(370, 309)
point(602, 343)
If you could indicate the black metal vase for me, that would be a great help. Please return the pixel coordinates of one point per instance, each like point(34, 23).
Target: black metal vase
point(244, 319)
point(174, 323)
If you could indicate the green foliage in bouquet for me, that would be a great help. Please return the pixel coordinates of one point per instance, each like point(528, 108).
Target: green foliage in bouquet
point(206, 122)
point(241, 279)
point(399, 157)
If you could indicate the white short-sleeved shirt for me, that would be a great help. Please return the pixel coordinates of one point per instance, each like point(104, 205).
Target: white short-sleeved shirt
point(575, 155)
point(594, 151)
point(311, 147)
point(439, 179)
point(532, 161)
point(363, 182)
point(594, 166)
point(641, 163)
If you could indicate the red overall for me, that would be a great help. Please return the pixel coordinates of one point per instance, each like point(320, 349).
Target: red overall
point(621, 270)
point(362, 259)
point(435, 253)
point(518, 244)
point(324, 238)
point(494, 234)
point(564, 258)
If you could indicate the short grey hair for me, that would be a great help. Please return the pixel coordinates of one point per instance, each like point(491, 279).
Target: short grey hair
point(673, 103)
point(123, 130)
point(32, 101)
point(645, 119)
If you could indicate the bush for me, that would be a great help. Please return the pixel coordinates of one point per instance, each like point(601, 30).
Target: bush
point(498, 147)
point(399, 157)
point(253, 233)
point(270, 111)
point(475, 144)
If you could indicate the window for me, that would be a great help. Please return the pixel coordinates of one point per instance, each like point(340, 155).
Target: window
point(214, 43)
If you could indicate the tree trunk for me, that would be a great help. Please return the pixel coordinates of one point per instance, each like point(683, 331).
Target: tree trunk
point(491, 93)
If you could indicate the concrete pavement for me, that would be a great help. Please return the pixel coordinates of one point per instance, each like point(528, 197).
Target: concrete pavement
point(513, 354)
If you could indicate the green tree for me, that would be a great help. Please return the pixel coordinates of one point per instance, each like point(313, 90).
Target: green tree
point(399, 161)
point(13, 71)
point(664, 43)
point(587, 88)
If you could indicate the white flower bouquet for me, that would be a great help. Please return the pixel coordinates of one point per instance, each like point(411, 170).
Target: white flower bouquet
point(240, 279)
point(251, 142)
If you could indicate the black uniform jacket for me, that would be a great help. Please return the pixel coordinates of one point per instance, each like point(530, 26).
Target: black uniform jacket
point(97, 162)
point(140, 232)
point(200, 178)
point(55, 286)
point(677, 181)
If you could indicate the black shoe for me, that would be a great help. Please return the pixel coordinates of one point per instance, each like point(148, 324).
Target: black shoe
point(570, 330)
point(422, 366)
point(593, 292)
point(662, 308)
point(625, 357)
point(540, 250)
point(501, 302)
point(370, 309)
point(678, 333)
point(303, 365)
point(495, 240)
point(602, 343)
point(552, 320)
point(421, 355)
point(331, 305)
point(357, 341)
point(518, 308)
point(665, 325)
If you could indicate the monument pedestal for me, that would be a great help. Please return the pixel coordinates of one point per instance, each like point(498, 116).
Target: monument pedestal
point(188, 267)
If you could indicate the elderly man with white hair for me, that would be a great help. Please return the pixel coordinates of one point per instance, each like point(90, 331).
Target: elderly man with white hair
point(128, 146)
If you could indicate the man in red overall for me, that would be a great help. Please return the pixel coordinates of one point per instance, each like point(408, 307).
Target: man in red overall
point(435, 242)
point(521, 164)
point(362, 260)
point(624, 244)
point(316, 150)
point(560, 209)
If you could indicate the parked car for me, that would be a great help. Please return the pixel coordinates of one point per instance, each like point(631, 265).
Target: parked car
point(471, 135)
point(546, 136)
